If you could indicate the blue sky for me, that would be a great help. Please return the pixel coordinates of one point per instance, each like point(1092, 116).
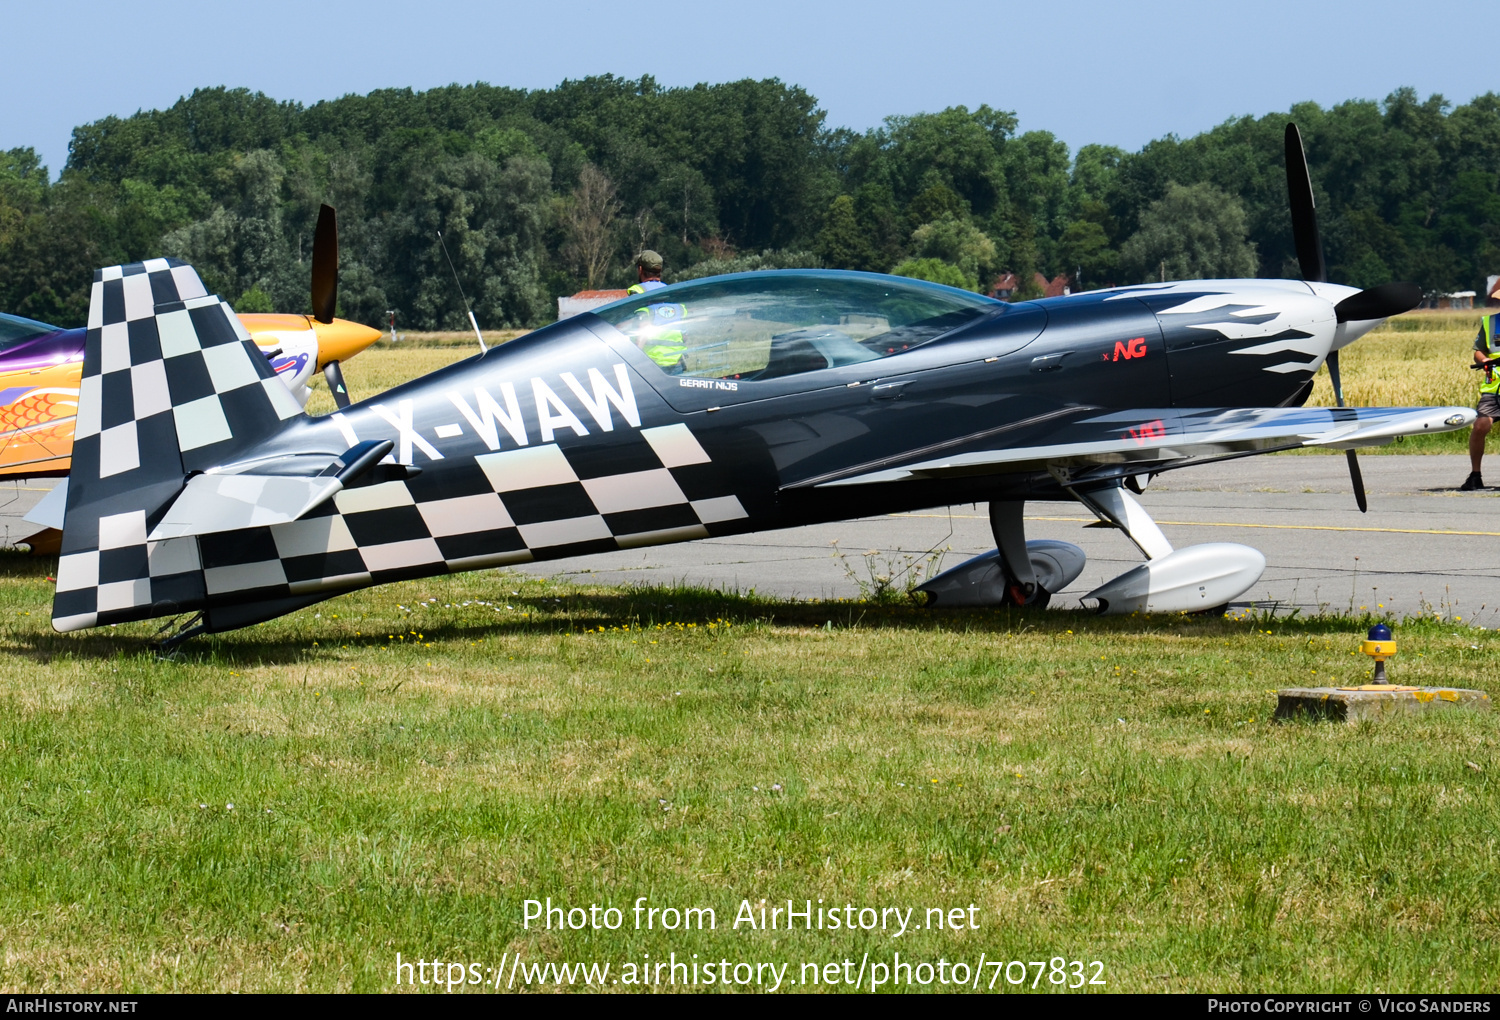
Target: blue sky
point(1114, 73)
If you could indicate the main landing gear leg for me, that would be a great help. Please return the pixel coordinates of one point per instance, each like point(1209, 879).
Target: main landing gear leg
point(1016, 573)
point(1008, 524)
point(1117, 507)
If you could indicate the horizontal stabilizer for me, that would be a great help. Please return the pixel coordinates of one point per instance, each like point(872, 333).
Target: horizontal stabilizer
point(214, 503)
point(49, 512)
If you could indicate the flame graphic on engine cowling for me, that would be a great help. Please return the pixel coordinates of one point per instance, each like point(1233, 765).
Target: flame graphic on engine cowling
point(289, 363)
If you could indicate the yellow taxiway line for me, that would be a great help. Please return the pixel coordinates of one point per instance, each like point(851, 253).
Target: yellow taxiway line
point(1231, 524)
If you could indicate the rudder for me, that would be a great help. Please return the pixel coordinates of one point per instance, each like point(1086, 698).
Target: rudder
point(172, 385)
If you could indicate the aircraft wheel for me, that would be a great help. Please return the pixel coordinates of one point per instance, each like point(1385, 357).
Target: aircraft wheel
point(1014, 596)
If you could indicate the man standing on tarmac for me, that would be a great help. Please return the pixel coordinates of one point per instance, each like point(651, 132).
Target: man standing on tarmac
point(1486, 348)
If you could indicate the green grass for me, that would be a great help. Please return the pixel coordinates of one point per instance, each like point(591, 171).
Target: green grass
point(1105, 790)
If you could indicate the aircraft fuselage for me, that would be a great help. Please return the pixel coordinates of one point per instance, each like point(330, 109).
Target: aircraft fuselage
point(570, 441)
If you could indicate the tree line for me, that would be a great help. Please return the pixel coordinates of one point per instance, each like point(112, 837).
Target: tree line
point(546, 192)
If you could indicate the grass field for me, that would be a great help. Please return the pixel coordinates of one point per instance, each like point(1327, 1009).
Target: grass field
point(407, 766)
point(397, 771)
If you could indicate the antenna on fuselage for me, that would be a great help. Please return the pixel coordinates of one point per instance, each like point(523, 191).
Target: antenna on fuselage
point(472, 321)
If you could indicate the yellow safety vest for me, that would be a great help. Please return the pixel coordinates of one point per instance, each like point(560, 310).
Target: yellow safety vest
point(664, 343)
point(666, 350)
point(1492, 378)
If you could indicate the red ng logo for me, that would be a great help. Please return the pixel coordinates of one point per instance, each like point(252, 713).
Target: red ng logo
point(1143, 434)
point(1134, 349)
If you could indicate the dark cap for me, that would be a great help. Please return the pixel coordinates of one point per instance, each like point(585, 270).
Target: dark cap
point(649, 261)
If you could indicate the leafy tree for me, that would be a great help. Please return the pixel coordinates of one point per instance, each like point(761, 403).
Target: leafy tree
point(936, 202)
point(1025, 259)
point(1194, 231)
point(936, 271)
point(841, 243)
point(768, 259)
point(590, 221)
point(955, 149)
point(881, 223)
point(1036, 173)
point(960, 244)
point(1083, 251)
point(231, 179)
point(255, 300)
point(23, 189)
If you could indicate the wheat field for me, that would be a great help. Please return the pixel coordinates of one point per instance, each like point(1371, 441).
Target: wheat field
point(1416, 359)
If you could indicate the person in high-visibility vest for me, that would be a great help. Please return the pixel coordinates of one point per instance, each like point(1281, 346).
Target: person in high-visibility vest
point(648, 271)
point(660, 334)
point(1486, 348)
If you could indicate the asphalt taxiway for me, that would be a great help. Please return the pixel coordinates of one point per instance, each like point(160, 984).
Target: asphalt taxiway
point(1423, 545)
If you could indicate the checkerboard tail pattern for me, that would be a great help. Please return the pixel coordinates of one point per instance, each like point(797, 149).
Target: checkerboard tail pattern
point(497, 509)
point(171, 384)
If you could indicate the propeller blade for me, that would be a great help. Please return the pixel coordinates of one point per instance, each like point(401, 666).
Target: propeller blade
point(1358, 480)
point(325, 265)
point(1379, 302)
point(1304, 210)
point(1333, 377)
point(335, 377)
point(1355, 475)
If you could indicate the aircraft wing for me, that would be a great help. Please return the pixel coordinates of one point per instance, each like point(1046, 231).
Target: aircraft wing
point(1079, 439)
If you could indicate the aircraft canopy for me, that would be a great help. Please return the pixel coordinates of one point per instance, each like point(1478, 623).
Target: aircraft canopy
point(767, 325)
point(14, 329)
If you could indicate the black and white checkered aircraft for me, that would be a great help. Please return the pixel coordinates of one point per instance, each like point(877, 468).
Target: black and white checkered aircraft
point(200, 486)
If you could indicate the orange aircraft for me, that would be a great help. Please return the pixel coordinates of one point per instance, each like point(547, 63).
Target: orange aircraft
point(41, 365)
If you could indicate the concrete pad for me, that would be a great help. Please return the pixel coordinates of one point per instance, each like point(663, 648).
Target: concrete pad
point(1373, 701)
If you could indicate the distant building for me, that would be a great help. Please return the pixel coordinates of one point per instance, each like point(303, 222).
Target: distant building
point(586, 301)
point(1460, 300)
point(1005, 287)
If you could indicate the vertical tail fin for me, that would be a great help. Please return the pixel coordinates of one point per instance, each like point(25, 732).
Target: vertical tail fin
point(171, 385)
